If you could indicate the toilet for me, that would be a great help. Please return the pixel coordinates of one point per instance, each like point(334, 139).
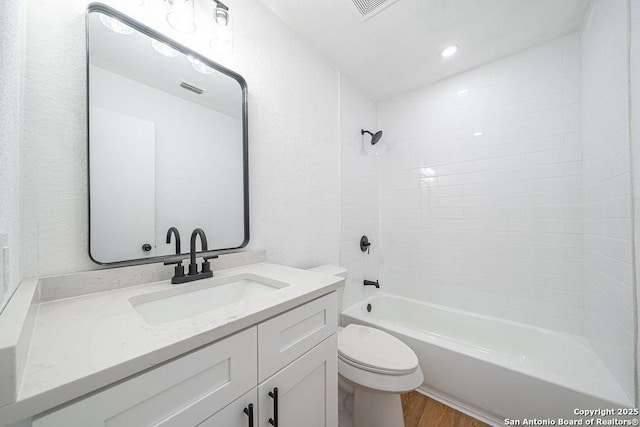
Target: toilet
point(375, 367)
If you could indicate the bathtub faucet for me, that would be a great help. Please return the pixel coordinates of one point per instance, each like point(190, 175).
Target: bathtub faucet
point(372, 283)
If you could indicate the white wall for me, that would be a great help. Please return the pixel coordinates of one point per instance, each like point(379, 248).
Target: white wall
point(293, 134)
point(493, 223)
point(358, 191)
point(609, 297)
point(12, 22)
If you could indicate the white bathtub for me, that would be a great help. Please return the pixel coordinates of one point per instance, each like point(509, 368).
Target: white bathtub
point(494, 369)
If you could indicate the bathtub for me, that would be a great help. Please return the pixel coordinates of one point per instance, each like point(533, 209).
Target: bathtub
point(494, 369)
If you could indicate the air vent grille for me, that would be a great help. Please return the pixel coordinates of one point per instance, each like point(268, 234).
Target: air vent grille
point(368, 8)
point(192, 88)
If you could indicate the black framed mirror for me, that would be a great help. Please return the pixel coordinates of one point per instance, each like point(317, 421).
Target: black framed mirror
point(167, 144)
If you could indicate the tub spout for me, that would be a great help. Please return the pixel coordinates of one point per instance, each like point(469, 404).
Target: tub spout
point(372, 283)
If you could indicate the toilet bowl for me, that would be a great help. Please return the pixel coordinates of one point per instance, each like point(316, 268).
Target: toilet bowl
point(375, 367)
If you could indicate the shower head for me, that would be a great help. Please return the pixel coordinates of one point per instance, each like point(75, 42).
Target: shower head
point(375, 137)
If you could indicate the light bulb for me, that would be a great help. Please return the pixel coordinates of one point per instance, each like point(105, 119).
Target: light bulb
point(164, 49)
point(200, 66)
point(221, 16)
point(181, 15)
point(115, 25)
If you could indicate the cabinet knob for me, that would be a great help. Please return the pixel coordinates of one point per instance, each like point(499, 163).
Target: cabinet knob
point(146, 247)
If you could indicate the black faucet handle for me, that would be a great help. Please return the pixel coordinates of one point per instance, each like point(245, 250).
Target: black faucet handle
point(178, 271)
point(206, 265)
point(365, 244)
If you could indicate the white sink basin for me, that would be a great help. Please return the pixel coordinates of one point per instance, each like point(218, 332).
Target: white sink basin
point(187, 300)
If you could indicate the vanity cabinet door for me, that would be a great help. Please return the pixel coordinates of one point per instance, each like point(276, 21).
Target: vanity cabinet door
point(307, 390)
point(234, 414)
point(181, 393)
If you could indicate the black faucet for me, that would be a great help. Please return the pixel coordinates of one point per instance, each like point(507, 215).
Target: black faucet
point(372, 283)
point(179, 269)
point(194, 274)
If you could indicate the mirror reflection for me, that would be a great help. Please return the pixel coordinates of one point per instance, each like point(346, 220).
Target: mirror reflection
point(167, 144)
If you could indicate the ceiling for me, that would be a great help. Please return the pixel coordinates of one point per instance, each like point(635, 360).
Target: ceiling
point(398, 49)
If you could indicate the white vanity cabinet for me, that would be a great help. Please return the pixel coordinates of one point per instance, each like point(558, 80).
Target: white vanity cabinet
point(294, 352)
point(298, 356)
point(183, 392)
point(307, 390)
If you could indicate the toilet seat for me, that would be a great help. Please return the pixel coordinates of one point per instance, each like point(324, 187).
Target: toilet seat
point(377, 360)
point(376, 351)
point(373, 369)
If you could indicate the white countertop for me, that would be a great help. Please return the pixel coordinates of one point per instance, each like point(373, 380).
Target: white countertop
point(83, 343)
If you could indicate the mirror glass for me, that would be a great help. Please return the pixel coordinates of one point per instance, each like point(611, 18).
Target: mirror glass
point(167, 144)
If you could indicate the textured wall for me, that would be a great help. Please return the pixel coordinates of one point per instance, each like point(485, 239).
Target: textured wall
point(609, 302)
point(489, 223)
point(358, 190)
point(293, 132)
point(11, 113)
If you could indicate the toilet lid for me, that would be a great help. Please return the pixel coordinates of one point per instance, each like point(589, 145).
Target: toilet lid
point(375, 350)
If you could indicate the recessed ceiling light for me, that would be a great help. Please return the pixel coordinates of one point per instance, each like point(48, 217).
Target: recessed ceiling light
point(477, 134)
point(449, 51)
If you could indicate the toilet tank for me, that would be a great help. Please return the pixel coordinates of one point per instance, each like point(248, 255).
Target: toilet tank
point(332, 270)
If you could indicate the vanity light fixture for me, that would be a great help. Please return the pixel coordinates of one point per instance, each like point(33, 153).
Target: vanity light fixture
point(199, 65)
point(164, 49)
point(115, 25)
point(222, 35)
point(221, 13)
point(181, 15)
point(449, 51)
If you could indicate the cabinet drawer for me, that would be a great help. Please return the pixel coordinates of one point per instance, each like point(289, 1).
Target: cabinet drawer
point(181, 393)
point(286, 337)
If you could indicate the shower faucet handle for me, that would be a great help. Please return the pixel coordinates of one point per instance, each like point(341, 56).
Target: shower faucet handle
point(365, 244)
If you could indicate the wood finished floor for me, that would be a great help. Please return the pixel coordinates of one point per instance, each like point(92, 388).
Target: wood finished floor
point(421, 411)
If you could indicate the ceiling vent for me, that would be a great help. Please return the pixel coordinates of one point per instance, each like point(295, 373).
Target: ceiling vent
point(192, 88)
point(367, 8)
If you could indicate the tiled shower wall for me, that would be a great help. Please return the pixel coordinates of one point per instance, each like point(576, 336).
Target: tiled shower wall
point(358, 191)
point(481, 189)
point(609, 298)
